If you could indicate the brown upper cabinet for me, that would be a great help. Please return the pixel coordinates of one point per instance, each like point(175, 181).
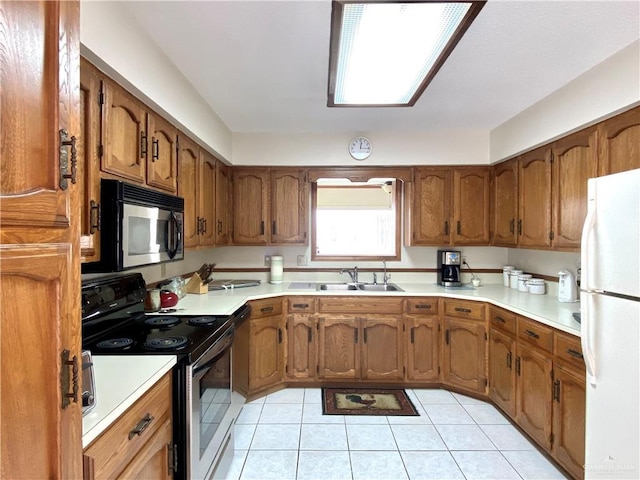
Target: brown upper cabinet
point(197, 185)
point(223, 204)
point(618, 143)
point(270, 206)
point(162, 164)
point(574, 162)
point(504, 204)
point(534, 198)
point(449, 206)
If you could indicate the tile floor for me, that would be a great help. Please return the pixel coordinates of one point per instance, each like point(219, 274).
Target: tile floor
point(285, 436)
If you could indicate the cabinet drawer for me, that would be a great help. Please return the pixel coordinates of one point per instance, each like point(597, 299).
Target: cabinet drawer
point(502, 319)
point(120, 443)
point(462, 309)
point(424, 306)
point(359, 305)
point(301, 304)
point(535, 333)
point(568, 348)
point(266, 307)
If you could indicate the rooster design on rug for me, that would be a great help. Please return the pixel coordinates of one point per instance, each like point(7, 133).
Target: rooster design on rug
point(362, 401)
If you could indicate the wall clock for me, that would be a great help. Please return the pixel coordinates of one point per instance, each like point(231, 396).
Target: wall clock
point(360, 148)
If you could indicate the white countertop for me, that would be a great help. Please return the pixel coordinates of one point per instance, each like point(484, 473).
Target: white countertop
point(544, 308)
point(120, 381)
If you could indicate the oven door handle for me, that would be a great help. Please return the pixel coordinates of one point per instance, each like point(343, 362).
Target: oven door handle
point(173, 239)
point(217, 350)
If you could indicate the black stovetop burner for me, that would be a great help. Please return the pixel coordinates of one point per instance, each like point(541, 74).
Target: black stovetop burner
point(114, 323)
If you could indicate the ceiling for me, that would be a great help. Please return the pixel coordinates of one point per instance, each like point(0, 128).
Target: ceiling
point(262, 65)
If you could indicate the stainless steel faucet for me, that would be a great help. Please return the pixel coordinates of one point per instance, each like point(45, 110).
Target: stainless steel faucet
point(353, 273)
point(385, 277)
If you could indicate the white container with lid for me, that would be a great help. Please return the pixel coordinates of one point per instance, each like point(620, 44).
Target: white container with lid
point(513, 278)
point(522, 282)
point(277, 268)
point(536, 286)
point(506, 270)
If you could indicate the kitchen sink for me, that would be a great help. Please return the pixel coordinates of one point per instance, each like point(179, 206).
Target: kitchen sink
point(337, 286)
point(380, 287)
point(367, 287)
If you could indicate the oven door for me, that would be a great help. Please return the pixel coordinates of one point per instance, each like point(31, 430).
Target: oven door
point(212, 412)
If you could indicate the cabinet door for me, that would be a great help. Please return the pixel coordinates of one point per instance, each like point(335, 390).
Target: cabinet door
point(574, 162)
point(289, 206)
point(422, 347)
point(207, 199)
point(505, 204)
point(464, 363)
point(154, 458)
point(223, 204)
point(266, 354)
point(569, 419)
point(162, 163)
point(471, 206)
point(382, 357)
point(618, 140)
point(88, 145)
point(502, 374)
point(302, 345)
point(41, 437)
point(533, 393)
point(431, 206)
point(189, 162)
point(250, 206)
point(534, 199)
point(338, 347)
point(124, 134)
point(36, 105)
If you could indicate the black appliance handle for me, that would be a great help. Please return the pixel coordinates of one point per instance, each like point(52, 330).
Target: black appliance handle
point(174, 239)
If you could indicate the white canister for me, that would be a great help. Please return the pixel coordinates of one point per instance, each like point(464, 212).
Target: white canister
point(513, 278)
point(536, 286)
point(277, 268)
point(506, 270)
point(522, 282)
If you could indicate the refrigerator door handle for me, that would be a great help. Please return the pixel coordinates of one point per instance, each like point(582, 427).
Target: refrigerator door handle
point(586, 337)
point(587, 230)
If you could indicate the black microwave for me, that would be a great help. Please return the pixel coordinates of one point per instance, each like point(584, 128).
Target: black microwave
point(138, 227)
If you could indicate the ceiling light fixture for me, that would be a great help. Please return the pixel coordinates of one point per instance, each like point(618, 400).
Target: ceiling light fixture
point(385, 54)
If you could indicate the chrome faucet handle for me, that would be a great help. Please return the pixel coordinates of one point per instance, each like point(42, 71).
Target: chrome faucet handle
point(355, 274)
point(385, 277)
point(375, 278)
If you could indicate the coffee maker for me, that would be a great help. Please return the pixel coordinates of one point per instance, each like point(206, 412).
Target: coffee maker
point(449, 262)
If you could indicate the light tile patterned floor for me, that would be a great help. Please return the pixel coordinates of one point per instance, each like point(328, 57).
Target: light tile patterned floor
point(284, 436)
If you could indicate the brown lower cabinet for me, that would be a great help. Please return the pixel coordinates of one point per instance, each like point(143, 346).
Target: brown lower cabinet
point(422, 343)
point(138, 444)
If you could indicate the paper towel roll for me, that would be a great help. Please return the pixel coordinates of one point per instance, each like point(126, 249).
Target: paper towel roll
point(277, 267)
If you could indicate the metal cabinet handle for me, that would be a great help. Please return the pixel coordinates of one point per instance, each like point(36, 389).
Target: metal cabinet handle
point(279, 335)
point(199, 227)
point(520, 227)
point(273, 227)
point(512, 226)
point(266, 309)
point(143, 144)
point(500, 319)
point(532, 334)
point(219, 226)
point(413, 335)
point(155, 149)
point(518, 365)
point(463, 310)
point(365, 335)
point(426, 306)
point(556, 391)
point(141, 426)
point(355, 332)
point(309, 334)
point(509, 360)
point(446, 227)
point(459, 228)
point(446, 336)
point(300, 305)
point(204, 225)
point(67, 381)
point(95, 213)
point(66, 141)
point(575, 353)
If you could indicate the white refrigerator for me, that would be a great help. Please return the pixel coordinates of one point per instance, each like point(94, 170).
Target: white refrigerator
point(610, 328)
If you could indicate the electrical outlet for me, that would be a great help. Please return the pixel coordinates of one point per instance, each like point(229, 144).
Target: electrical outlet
point(267, 260)
point(464, 260)
point(302, 260)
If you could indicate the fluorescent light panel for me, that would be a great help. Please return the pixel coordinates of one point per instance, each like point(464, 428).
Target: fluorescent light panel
point(386, 50)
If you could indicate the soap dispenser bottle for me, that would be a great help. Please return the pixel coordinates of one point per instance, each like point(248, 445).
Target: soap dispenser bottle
point(567, 288)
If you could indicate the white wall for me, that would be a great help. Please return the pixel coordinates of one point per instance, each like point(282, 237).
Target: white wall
point(118, 46)
point(607, 88)
point(543, 262)
point(389, 148)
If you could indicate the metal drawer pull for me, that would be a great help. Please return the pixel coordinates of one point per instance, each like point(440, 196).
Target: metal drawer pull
point(463, 310)
point(95, 213)
point(66, 382)
point(64, 142)
point(142, 426)
point(426, 306)
point(532, 334)
point(266, 309)
point(300, 305)
point(575, 353)
point(413, 335)
point(556, 391)
point(500, 319)
point(509, 360)
point(518, 365)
